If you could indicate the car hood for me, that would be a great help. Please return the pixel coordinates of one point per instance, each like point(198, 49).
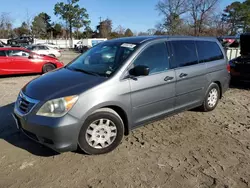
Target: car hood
point(60, 83)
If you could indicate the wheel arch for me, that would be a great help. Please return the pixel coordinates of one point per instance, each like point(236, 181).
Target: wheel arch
point(220, 87)
point(119, 109)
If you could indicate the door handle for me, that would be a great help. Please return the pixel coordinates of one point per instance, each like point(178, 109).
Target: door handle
point(168, 78)
point(182, 75)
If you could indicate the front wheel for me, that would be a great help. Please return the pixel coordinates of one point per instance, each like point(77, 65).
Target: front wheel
point(101, 133)
point(48, 67)
point(211, 98)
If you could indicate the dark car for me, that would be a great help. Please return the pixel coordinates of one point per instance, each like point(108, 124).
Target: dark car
point(21, 41)
point(240, 66)
point(117, 86)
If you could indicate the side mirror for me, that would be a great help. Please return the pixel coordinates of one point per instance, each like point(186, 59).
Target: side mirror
point(139, 70)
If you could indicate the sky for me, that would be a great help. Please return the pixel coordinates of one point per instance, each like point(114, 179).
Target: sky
point(138, 15)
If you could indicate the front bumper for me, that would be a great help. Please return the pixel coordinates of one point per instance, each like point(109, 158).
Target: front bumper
point(59, 134)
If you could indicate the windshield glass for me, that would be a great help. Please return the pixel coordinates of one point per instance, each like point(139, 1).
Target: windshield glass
point(103, 59)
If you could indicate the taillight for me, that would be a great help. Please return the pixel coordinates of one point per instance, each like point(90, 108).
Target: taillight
point(228, 68)
point(59, 51)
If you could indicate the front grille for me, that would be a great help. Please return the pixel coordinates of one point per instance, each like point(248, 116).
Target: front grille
point(25, 104)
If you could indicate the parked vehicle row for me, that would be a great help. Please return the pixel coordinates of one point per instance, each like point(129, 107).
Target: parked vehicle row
point(22, 61)
point(119, 85)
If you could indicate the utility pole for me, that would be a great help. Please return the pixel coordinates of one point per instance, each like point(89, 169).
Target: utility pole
point(100, 19)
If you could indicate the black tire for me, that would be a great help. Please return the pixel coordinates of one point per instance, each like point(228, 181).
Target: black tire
point(48, 67)
point(104, 113)
point(52, 55)
point(205, 106)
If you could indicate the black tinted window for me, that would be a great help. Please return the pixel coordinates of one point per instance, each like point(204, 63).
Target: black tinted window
point(2, 53)
point(42, 48)
point(155, 57)
point(184, 53)
point(208, 51)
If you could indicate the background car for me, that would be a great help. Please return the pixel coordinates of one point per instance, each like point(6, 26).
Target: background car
point(50, 44)
point(45, 50)
point(230, 41)
point(23, 61)
point(23, 40)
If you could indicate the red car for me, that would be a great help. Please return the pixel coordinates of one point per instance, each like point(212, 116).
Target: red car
point(23, 61)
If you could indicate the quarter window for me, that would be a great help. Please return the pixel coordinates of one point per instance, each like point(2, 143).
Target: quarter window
point(208, 51)
point(2, 53)
point(184, 53)
point(154, 57)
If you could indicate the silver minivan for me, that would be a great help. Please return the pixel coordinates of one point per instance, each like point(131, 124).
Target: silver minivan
point(119, 85)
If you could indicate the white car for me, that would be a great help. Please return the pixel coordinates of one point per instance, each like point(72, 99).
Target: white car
point(45, 50)
point(50, 44)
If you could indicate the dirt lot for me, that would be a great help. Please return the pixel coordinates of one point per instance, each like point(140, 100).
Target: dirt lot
point(191, 149)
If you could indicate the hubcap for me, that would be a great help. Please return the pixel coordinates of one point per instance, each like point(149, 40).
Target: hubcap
point(101, 133)
point(212, 98)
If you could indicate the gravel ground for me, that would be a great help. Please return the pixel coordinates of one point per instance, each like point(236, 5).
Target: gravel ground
point(191, 149)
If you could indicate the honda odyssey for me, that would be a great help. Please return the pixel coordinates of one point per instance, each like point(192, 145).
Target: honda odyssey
point(118, 85)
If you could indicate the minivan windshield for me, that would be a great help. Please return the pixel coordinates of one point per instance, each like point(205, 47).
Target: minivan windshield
point(103, 59)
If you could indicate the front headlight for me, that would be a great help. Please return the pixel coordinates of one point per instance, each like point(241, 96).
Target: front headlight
point(57, 107)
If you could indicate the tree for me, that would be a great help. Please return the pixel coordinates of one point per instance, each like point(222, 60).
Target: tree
point(200, 11)
point(142, 34)
point(41, 25)
point(128, 33)
point(237, 16)
point(57, 30)
point(172, 10)
point(105, 28)
point(74, 16)
point(87, 33)
point(22, 30)
point(5, 25)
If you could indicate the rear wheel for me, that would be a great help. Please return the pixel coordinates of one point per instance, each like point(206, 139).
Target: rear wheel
point(211, 98)
point(48, 67)
point(101, 133)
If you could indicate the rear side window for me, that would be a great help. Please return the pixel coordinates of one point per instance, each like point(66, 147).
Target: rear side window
point(42, 48)
point(2, 53)
point(208, 51)
point(154, 57)
point(184, 53)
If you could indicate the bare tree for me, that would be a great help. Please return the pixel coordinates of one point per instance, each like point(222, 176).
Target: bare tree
point(200, 11)
point(120, 30)
point(29, 19)
point(172, 10)
point(5, 25)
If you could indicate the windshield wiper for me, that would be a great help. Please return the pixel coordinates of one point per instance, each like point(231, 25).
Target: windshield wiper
point(84, 71)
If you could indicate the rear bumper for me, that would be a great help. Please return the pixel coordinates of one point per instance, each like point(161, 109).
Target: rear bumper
point(240, 76)
point(59, 134)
